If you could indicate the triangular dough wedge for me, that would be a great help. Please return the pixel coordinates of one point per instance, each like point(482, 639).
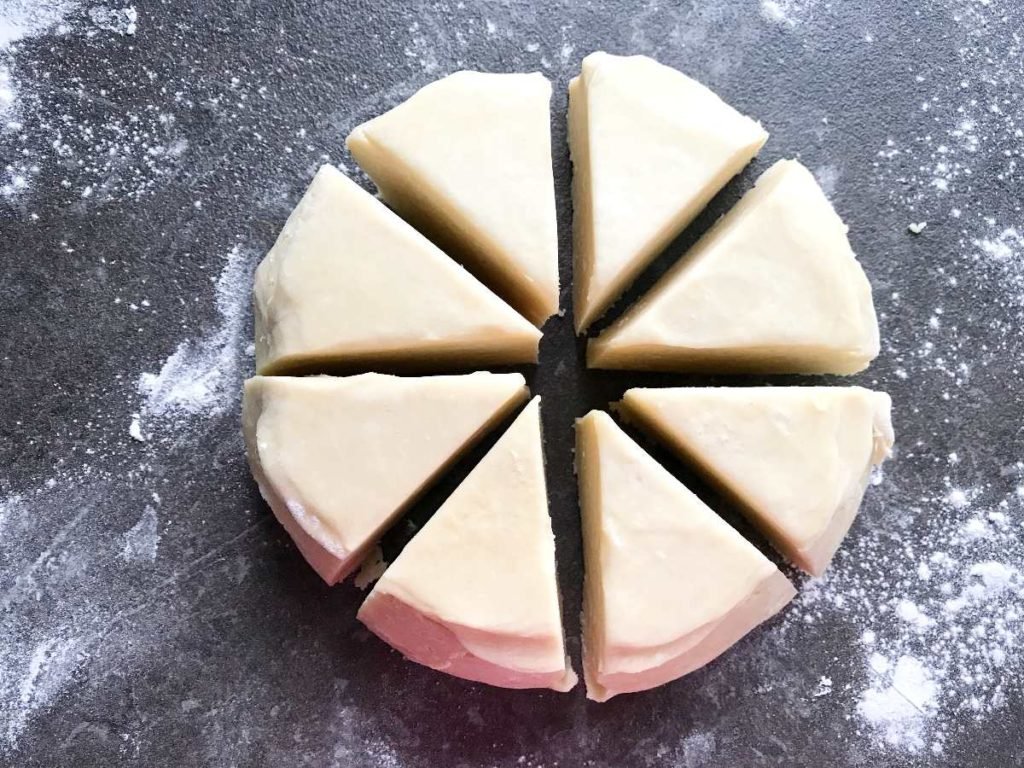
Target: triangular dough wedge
point(669, 585)
point(338, 459)
point(474, 594)
point(796, 459)
point(773, 287)
point(349, 283)
point(650, 148)
point(467, 159)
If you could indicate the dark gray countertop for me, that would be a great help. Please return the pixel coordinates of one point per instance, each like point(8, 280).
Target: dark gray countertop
point(151, 610)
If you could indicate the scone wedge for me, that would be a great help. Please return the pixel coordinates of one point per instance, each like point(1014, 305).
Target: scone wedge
point(669, 585)
point(475, 594)
point(797, 460)
point(339, 458)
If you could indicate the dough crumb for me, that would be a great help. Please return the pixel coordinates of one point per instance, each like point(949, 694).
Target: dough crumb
point(824, 688)
point(371, 569)
point(135, 429)
point(918, 227)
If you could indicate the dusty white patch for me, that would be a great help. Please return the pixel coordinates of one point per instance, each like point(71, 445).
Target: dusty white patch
point(786, 12)
point(143, 538)
point(900, 701)
point(123, 21)
point(43, 677)
point(828, 177)
point(201, 376)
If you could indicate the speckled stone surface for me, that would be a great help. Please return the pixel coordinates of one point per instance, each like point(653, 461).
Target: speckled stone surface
point(151, 610)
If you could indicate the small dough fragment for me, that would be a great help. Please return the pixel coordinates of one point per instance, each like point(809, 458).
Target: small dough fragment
point(348, 283)
point(796, 459)
point(773, 287)
point(339, 458)
point(650, 148)
point(475, 594)
point(669, 585)
point(467, 159)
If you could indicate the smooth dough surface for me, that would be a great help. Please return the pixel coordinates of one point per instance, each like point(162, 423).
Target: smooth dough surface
point(349, 283)
point(773, 287)
point(339, 458)
point(669, 585)
point(467, 159)
point(650, 148)
point(475, 593)
point(797, 459)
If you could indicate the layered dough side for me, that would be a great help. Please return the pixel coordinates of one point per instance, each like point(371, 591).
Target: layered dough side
point(632, 669)
point(463, 651)
point(796, 460)
point(669, 586)
point(320, 447)
point(475, 593)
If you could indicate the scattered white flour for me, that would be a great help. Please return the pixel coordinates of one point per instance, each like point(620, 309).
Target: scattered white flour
point(999, 252)
point(824, 687)
point(202, 375)
point(98, 151)
point(697, 750)
point(123, 21)
point(45, 675)
point(828, 177)
point(936, 592)
point(23, 20)
point(1004, 248)
point(787, 12)
point(422, 48)
point(956, 593)
point(957, 497)
point(902, 698)
point(143, 538)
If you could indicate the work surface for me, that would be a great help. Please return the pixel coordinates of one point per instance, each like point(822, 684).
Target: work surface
point(152, 612)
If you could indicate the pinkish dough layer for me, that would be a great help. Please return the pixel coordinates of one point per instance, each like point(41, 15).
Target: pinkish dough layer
point(428, 642)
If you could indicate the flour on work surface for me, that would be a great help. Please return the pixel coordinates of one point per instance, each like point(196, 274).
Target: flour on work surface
point(938, 616)
point(930, 582)
point(786, 12)
point(142, 540)
point(22, 20)
point(902, 698)
point(203, 374)
point(123, 21)
point(23, 111)
point(934, 588)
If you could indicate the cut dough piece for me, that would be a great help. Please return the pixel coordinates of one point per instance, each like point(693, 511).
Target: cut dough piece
point(474, 594)
point(338, 459)
point(669, 585)
point(468, 161)
point(349, 283)
point(650, 148)
point(773, 287)
point(797, 459)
